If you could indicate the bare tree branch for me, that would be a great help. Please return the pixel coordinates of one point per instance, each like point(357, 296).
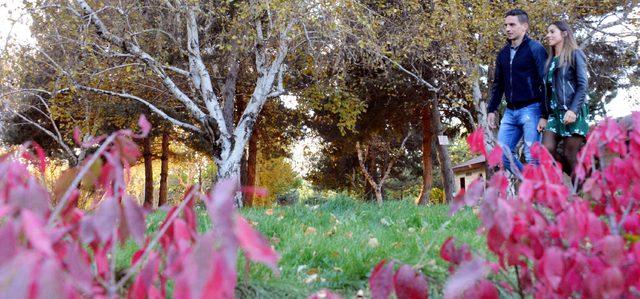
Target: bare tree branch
point(57, 138)
point(133, 97)
point(134, 50)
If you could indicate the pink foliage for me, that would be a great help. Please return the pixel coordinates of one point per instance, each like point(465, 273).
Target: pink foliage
point(550, 240)
point(63, 252)
point(562, 243)
point(407, 283)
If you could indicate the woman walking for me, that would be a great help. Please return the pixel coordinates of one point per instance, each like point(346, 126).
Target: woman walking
point(565, 83)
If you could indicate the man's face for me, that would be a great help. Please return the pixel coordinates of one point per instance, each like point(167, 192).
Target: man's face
point(513, 28)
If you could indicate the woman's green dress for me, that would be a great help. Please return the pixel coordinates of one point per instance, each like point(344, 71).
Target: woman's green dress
point(555, 123)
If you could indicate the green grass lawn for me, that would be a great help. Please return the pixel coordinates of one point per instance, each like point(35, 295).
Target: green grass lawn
point(335, 244)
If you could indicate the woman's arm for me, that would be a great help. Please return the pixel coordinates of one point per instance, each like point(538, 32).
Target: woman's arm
point(580, 62)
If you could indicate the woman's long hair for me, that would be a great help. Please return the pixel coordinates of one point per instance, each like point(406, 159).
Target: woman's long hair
point(569, 45)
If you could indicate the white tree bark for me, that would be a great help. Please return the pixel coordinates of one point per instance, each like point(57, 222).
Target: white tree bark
point(269, 64)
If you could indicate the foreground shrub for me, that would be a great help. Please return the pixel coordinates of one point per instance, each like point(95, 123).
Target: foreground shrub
point(62, 252)
point(563, 241)
point(552, 240)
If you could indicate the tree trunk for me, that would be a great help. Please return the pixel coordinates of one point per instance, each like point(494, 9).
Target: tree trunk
point(244, 173)
point(164, 170)
point(371, 190)
point(200, 176)
point(427, 163)
point(448, 178)
point(378, 191)
point(229, 89)
point(368, 173)
point(148, 173)
point(229, 143)
point(230, 170)
point(252, 159)
point(481, 112)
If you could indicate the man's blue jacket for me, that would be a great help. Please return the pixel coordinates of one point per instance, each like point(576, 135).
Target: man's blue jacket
point(519, 81)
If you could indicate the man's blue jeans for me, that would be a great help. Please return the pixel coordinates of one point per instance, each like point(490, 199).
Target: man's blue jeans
point(515, 124)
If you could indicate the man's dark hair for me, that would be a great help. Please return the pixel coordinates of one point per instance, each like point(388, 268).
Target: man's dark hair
point(522, 15)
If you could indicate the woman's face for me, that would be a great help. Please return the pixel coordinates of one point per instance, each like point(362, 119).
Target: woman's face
point(554, 35)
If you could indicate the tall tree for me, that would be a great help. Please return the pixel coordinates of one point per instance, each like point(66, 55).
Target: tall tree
point(378, 148)
point(192, 52)
point(164, 169)
point(427, 162)
point(362, 105)
point(430, 41)
point(148, 173)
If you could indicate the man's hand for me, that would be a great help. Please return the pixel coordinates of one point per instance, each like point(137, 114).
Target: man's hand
point(491, 120)
point(569, 117)
point(542, 123)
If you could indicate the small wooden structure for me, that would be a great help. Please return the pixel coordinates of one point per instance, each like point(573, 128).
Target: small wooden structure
point(468, 171)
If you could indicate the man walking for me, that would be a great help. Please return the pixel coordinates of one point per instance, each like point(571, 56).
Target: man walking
point(518, 77)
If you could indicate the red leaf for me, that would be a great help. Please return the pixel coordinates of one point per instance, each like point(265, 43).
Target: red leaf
point(452, 254)
point(76, 136)
point(465, 277)
point(613, 249)
point(4, 210)
point(129, 153)
point(381, 280)
point(257, 191)
point(526, 190)
point(410, 284)
point(504, 218)
point(495, 157)
point(87, 233)
point(34, 229)
point(28, 194)
point(144, 125)
point(105, 218)
point(552, 266)
point(222, 279)
point(9, 242)
point(134, 216)
point(41, 157)
point(255, 245)
point(100, 257)
point(144, 282)
point(483, 290)
point(538, 151)
point(476, 141)
point(190, 215)
point(447, 250)
point(636, 251)
point(209, 270)
point(612, 283)
point(468, 196)
point(77, 263)
point(180, 230)
point(19, 274)
point(49, 282)
point(614, 136)
point(221, 210)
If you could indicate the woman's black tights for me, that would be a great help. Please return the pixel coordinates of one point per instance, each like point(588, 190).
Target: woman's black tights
point(571, 145)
